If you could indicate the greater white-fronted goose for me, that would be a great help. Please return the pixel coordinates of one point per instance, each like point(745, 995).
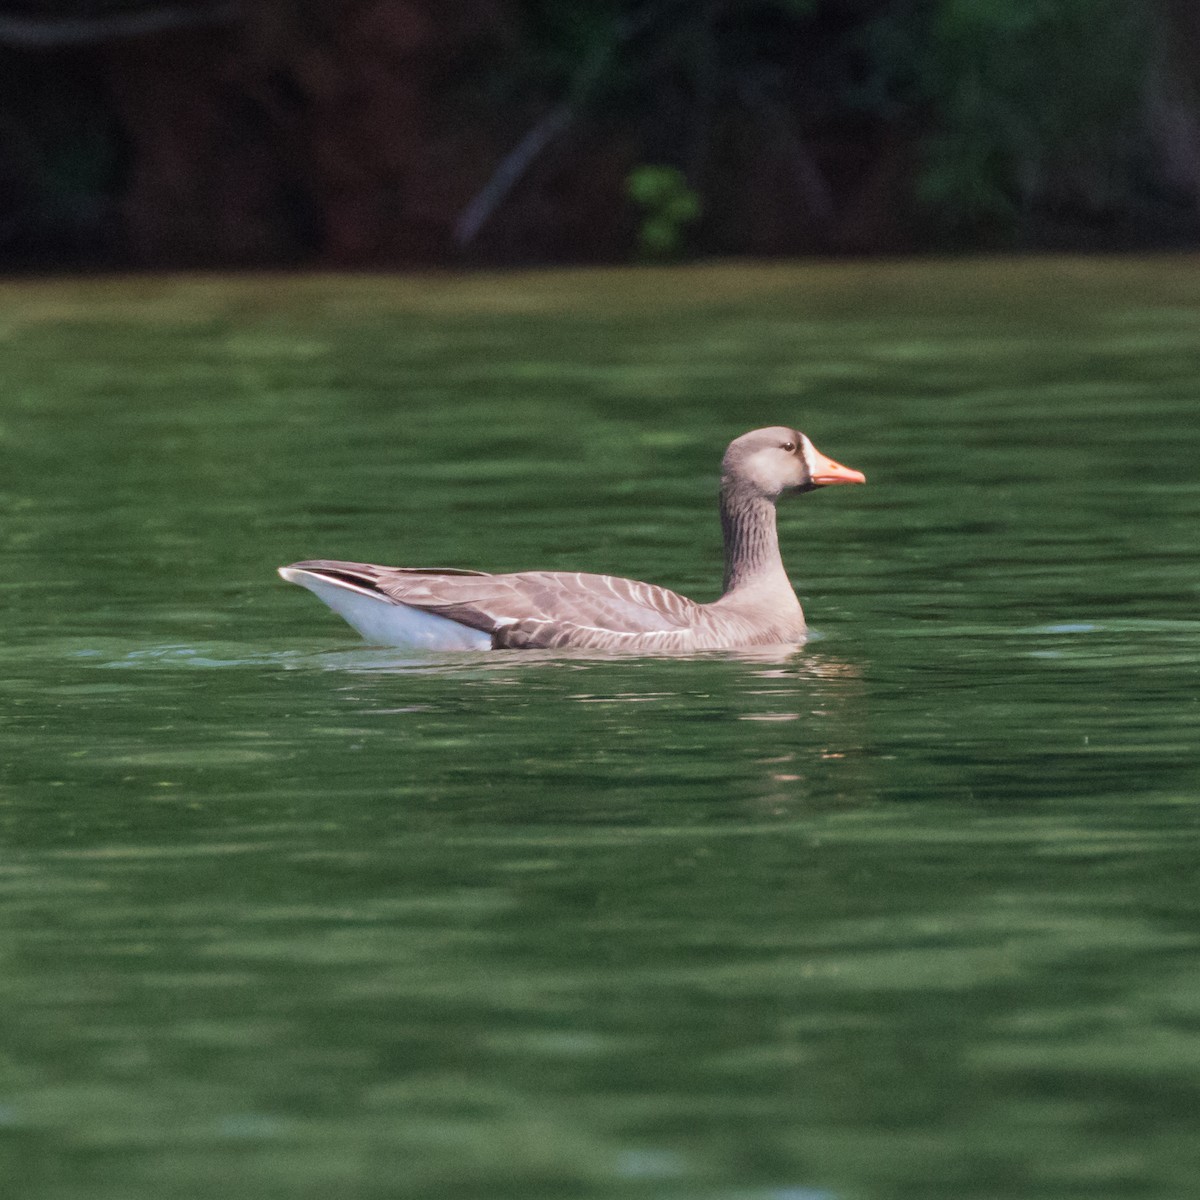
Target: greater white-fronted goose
point(447, 609)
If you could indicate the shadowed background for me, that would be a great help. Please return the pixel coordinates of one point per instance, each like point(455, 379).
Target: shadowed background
point(410, 132)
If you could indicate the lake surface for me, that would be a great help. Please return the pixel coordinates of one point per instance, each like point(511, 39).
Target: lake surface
point(913, 912)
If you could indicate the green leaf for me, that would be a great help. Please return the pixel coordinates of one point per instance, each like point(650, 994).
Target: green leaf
point(659, 237)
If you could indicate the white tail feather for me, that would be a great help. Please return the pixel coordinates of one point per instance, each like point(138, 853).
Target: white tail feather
point(384, 622)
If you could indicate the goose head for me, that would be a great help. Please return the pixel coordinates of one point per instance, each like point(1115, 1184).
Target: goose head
point(776, 461)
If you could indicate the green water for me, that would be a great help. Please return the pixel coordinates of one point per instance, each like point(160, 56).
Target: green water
point(912, 913)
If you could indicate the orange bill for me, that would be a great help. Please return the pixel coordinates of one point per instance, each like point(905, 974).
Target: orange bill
point(824, 471)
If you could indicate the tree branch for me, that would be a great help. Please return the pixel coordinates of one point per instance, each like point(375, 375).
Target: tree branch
point(526, 152)
point(49, 33)
point(508, 174)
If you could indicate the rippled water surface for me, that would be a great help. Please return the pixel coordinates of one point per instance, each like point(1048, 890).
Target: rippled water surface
point(912, 912)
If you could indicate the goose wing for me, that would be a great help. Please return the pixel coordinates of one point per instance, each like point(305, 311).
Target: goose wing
point(529, 608)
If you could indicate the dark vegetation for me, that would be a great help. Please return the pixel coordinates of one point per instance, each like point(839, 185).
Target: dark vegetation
point(382, 132)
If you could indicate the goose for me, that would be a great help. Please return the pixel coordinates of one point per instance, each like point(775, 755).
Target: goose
point(445, 608)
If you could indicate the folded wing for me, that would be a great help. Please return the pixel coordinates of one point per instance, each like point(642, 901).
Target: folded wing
point(530, 608)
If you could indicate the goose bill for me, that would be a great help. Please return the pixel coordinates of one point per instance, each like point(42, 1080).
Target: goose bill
point(825, 471)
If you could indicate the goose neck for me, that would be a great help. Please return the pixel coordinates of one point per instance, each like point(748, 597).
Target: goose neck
point(751, 539)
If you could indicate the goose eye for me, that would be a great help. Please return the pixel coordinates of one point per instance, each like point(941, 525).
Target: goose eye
point(788, 446)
